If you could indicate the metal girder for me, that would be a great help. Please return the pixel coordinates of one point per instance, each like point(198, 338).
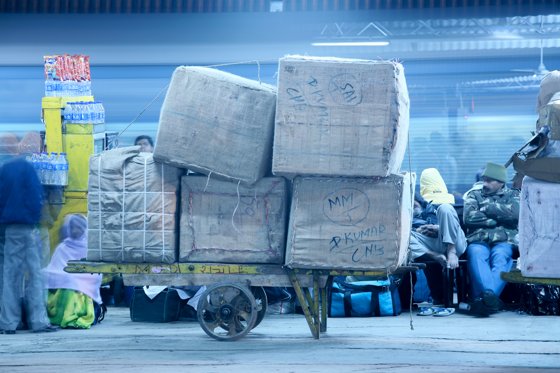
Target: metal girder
point(540, 27)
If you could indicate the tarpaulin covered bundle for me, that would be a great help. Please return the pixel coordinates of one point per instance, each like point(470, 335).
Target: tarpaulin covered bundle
point(132, 205)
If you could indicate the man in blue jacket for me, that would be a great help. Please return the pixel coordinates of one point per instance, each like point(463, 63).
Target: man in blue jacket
point(21, 200)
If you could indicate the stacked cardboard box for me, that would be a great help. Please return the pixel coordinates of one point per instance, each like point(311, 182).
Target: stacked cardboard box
point(349, 223)
point(132, 205)
point(343, 124)
point(340, 117)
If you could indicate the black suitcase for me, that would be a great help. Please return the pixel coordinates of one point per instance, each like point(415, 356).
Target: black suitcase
point(165, 306)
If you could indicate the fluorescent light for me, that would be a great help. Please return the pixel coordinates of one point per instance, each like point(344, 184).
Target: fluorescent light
point(506, 35)
point(352, 44)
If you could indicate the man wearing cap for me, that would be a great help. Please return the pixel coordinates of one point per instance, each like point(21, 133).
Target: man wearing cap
point(490, 216)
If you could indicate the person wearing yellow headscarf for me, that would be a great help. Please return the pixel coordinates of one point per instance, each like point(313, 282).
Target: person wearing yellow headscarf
point(442, 241)
point(433, 188)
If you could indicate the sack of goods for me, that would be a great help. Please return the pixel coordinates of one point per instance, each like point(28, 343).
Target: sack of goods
point(222, 221)
point(132, 205)
point(217, 123)
point(340, 117)
point(350, 223)
point(539, 214)
point(364, 298)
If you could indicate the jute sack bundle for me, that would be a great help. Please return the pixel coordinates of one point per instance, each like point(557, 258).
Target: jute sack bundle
point(217, 123)
point(350, 223)
point(340, 117)
point(132, 205)
point(539, 242)
point(222, 221)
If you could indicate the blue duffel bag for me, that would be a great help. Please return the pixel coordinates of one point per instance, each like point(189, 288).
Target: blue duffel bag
point(364, 298)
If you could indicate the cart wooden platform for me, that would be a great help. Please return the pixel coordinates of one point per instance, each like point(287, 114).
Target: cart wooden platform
point(235, 301)
point(516, 277)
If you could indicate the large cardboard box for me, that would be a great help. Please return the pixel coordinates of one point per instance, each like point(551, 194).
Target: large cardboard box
point(340, 117)
point(217, 123)
point(539, 219)
point(225, 222)
point(350, 223)
point(132, 205)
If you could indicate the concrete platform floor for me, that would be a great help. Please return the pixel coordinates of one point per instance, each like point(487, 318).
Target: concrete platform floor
point(506, 342)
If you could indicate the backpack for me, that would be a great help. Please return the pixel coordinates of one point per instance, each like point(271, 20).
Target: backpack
point(364, 298)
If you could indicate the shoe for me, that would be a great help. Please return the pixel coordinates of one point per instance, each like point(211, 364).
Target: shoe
point(8, 332)
point(426, 311)
point(479, 309)
point(47, 329)
point(442, 312)
point(491, 300)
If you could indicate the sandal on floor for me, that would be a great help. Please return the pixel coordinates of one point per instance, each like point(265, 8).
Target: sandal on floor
point(440, 312)
point(426, 311)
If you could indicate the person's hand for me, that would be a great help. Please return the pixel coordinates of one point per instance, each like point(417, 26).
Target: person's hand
point(430, 230)
point(440, 258)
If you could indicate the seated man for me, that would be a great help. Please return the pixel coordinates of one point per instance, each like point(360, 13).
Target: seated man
point(442, 241)
point(490, 215)
point(145, 142)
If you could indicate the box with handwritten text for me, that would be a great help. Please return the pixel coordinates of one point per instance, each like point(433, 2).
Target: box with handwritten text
point(340, 117)
point(217, 123)
point(350, 223)
point(222, 221)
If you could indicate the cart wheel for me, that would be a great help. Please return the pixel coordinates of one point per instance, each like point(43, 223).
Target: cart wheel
point(227, 312)
point(262, 303)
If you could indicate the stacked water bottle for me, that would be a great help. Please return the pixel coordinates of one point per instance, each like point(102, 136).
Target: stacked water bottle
point(52, 169)
point(84, 113)
point(67, 76)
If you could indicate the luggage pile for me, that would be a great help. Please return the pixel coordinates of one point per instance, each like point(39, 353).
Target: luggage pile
point(539, 207)
point(305, 176)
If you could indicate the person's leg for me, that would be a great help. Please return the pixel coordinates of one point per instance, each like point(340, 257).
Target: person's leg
point(405, 290)
point(14, 256)
point(451, 235)
point(478, 256)
point(35, 290)
point(450, 228)
point(434, 276)
point(421, 244)
point(500, 261)
point(45, 247)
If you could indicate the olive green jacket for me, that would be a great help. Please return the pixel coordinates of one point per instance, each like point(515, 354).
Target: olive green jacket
point(491, 218)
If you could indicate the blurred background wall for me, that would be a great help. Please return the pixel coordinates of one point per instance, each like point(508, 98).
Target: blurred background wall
point(472, 66)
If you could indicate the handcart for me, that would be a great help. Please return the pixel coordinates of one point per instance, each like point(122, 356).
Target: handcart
point(515, 277)
point(234, 301)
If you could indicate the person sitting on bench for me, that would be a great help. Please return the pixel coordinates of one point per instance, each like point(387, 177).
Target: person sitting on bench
point(441, 240)
point(490, 215)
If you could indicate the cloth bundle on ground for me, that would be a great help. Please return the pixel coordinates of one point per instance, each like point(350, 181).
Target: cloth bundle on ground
point(71, 295)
